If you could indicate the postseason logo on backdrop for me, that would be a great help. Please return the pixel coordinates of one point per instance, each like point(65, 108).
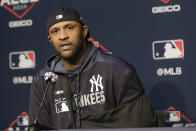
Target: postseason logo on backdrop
point(166, 8)
point(20, 123)
point(18, 8)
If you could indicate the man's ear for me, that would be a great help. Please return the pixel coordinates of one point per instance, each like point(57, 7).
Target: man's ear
point(49, 38)
point(85, 30)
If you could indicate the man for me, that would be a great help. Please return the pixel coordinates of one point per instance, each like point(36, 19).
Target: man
point(94, 89)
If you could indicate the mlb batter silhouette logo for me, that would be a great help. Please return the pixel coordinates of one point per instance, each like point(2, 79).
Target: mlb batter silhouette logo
point(61, 107)
point(22, 59)
point(173, 116)
point(168, 49)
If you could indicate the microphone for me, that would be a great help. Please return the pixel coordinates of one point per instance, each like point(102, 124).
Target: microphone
point(49, 77)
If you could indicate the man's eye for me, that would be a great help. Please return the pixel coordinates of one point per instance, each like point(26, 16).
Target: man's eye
point(54, 31)
point(69, 27)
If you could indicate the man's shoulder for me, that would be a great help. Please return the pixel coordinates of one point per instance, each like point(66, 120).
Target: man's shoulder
point(115, 61)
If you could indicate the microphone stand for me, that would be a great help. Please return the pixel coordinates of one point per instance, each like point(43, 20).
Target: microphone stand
point(36, 126)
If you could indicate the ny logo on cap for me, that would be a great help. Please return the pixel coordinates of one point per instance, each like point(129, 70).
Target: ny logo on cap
point(59, 17)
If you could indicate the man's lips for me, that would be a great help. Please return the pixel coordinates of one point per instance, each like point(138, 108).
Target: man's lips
point(65, 46)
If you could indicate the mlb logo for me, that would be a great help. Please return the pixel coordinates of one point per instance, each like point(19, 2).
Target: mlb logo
point(173, 116)
point(168, 49)
point(59, 17)
point(22, 60)
point(61, 107)
point(23, 120)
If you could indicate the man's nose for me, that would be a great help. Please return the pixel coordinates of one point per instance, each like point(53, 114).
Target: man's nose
point(63, 35)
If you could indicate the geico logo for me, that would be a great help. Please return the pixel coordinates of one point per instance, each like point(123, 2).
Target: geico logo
point(163, 9)
point(20, 23)
point(170, 71)
point(16, 2)
point(22, 79)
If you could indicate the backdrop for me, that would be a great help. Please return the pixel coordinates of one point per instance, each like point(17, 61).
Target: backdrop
point(156, 36)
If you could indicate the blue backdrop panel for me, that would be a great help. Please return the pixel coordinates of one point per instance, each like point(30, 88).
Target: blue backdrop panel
point(156, 36)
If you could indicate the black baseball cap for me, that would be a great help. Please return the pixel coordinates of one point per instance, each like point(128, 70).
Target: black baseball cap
point(64, 13)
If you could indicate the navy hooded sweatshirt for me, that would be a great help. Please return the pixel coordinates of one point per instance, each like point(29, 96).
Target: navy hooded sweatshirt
point(103, 92)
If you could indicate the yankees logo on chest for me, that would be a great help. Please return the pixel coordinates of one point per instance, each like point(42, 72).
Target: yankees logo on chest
point(96, 95)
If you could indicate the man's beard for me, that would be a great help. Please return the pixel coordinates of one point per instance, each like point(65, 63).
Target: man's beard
point(76, 53)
